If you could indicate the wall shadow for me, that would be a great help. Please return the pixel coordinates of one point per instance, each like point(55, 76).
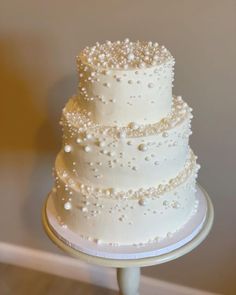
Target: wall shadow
point(41, 178)
point(29, 118)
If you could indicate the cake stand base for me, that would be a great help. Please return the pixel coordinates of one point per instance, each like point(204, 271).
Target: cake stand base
point(128, 260)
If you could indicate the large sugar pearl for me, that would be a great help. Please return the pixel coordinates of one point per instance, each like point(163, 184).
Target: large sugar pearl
point(142, 147)
point(67, 148)
point(67, 206)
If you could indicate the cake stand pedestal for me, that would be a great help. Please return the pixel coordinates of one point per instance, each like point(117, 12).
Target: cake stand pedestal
point(128, 264)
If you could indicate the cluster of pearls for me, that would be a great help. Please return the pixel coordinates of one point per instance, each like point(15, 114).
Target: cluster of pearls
point(77, 121)
point(140, 194)
point(124, 55)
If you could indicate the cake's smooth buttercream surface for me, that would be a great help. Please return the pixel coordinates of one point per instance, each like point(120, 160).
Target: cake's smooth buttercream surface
point(125, 173)
point(125, 82)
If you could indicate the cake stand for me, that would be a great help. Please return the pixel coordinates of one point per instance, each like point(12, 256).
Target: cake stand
point(128, 260)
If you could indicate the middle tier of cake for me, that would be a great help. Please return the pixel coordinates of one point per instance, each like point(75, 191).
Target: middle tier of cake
point(125, 157)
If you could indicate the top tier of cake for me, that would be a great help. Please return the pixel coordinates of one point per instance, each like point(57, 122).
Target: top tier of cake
point(123, 82)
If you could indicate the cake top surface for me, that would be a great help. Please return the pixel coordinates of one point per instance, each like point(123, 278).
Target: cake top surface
point(125, 55)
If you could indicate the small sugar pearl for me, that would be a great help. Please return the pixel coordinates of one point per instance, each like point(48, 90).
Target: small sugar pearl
point(165, 134)
point(107, 85)
point(176, 205)
point(150, 85)
point(89, 136)
point(122, 134)
point(134, 125)
point(142, 147)
point(67, 206)
point(169, 235)
point(131, 56)
point(142, 202)
point(87, 148)
point(67, 148)
point(113, 190)
point(97, 241)
point(102, 144)
point(78, 140)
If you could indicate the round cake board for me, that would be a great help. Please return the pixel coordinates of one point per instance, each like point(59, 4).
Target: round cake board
point(187, 238)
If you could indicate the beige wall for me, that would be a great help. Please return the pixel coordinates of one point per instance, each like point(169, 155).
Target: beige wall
point(38, 44)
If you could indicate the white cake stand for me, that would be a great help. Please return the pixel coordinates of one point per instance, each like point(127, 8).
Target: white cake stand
point(129, 259)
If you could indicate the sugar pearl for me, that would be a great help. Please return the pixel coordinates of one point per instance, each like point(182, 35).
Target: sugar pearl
point(165, 134)
point(67, 148)
point(122, 134)
point(131, 56)
point(107, 85)
point(89, 136)
point(134, 125)
point(87, 148)
point(142, 202)
point(102, 144)
point(150, 85)
point(97, 241)
point(67, 206)
point(142, 147)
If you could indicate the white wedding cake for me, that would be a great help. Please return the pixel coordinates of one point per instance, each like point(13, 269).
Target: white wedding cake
point(125, 174)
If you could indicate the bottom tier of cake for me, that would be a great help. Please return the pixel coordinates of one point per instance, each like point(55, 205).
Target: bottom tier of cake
point(126, 218)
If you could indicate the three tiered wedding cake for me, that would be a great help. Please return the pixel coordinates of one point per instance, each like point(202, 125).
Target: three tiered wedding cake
point(126, 174)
